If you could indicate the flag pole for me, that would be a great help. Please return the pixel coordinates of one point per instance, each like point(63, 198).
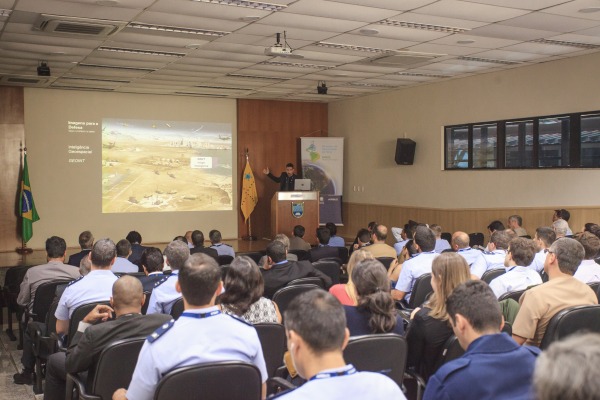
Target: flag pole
point(23, 250)
point(250, 237)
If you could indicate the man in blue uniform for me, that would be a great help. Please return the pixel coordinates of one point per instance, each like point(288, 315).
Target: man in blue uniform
point(165, 294)
point(221, 248)
point(315, 323)
point(474, 257)
point(202, 334)
point(496, 254)
point(494, 365)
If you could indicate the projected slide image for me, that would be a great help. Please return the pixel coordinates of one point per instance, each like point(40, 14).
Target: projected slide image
point(154, 166)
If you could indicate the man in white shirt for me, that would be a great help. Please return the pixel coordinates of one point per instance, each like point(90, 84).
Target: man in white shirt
point(122, 264)
point(440, 244)
point(518, 276)
point(543, 238)
point(589, 271)
point(474, 257)
point(494, 258)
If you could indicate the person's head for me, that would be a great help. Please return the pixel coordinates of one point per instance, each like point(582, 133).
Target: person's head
point(460, 240)
point(371, 225)
point(123, 248)
point(127, 295)
point(515, 221)
point(56, 247)
point(177, 253)
point(181, 239)
point(495, 226)
point(363, 236)
point(323, 235)
point(568, 369)
point(590, 227)
point(380, 233)
point(198, 238)
point(85, 266)
point(591, 245)
point(373, 290)
point(448, 270)
point(356, 257)
point(152, 260)
point(103, 254)
point(425, 239)
point(289, 169)
point(410, 248)
point(564, 255)
point(134, 237)
point(332, 228)
point(276, 251)
point(299, 231)
point(544, 237)
point(188, 236)
point(283, 239)
point(86, 240)
point(437, 230)
point(315, 323)
point(199, 280)
point(215, 236)
point(474, 311)
point(521, 252)
point(243, 285)
point(408, 231)
point(561, 214)
point(500, 239)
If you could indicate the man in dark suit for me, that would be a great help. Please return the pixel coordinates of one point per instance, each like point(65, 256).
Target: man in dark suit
point(198, 240)
point(152, 263)
point(323, 250)
point(286, 179)
point(127, 299)
point(86, 241)
point(279, 271)
point(136, 248)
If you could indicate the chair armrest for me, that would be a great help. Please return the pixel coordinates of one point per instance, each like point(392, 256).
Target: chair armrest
point(77, 385)
point(277, 384)
point(420, 382)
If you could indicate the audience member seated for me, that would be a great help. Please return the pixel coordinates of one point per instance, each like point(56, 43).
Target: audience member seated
point(361, 243)
point(429, 328)
point(93, 334)
point(334, 241)
point(440, 244)
point(496, 253)
point(86, 241)
point(122, 264)
point(297, 242)
point(279, 271)
point(376, 310)
point(543, 238)
point(165, 292)
point(588, 271)
point(474, 257)
point(561, 228)
point(402, 237)
point(346, 293)
point(53, 270)
point(137, 249)
point(568, 369)
point(201, 334)
point(317, 334)
point(363, 238)
point(280, 237)
point(188, 237)
point(515, 223)
point(565, 216)
point(420, 264)
point(518, 276)
point(323, 250)
point(495, 226)
point(379, 248)
point(85, 266)
point(541, 303)
point(198, 241)
point(152, 262)
point(396, 265)
point(244, 287)
point(493, 366)
point(222, 248)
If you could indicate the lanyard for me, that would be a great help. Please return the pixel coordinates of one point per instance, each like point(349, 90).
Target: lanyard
point(325, 375)
point(205, 315)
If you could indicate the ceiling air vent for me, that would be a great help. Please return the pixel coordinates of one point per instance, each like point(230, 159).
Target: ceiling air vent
point(23, 80)
point(62, 25)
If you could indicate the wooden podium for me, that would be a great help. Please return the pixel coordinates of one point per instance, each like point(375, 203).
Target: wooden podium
point(289, 209)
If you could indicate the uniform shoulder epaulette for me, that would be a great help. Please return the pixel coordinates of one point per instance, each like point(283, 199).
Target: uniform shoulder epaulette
point(488, 253)
point(240, 319)
point(533, 350)
point(160, 331)
point(75, 281)
point(161, 281)
point(450, 368)
point(227, 244)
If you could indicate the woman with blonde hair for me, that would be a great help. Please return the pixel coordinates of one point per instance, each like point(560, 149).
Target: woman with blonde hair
point(346, 293)
point(429, 327)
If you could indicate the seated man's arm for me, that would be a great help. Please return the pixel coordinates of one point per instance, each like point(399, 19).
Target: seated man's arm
point(62, 326)
point(520, 340)
point(24, 292)
point(398, 294)
point(527, 319)
point(404, 284)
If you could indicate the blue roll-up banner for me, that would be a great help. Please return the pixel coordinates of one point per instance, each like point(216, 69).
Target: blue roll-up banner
point(323, 163)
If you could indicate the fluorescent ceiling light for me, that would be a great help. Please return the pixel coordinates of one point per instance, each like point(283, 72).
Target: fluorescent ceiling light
point(352, 47)
point(427, 27)
point(257, 5)
point(176, 29)
point(294, 65)
point(565, 43)
point(142, 52)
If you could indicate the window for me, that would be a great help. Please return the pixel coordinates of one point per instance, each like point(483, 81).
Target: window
point(485, 139)
point(519, 144)
point(457, 147)
point(590, 140)
point(554, 142)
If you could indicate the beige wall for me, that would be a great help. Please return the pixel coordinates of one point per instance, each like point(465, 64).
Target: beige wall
point(68, 196)
point(371, 124)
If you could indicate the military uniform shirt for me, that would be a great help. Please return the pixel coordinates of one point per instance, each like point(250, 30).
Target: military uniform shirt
point(164, 295)
point(399, 246)
point(343, 384)
point(337, 241)
point(92, 288)
point(588, 271)
point(538, 261)
point(475, 260)
point(124, 266)
point(191, 341)
point(491, 260)
point(412, 269)
point(515, 278)
point(441, 245)
point(223, 249)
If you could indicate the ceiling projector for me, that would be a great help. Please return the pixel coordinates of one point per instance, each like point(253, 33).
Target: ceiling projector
point(281, 49)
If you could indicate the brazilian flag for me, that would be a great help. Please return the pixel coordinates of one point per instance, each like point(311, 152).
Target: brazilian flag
point(28, 211)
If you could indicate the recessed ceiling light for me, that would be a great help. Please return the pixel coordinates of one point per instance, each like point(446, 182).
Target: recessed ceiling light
point(107, 3)
point(250, 18)
point(4, 12)
point(589, 10)
point(465, 41)
point(368, 31)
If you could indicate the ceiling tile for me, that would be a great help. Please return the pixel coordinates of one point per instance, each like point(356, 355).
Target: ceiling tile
point(524, 4)
point(445, 49)
point(403, 5)
point(477, 41)
point(511, 32)
point(469, 11)
point(541, 48)
point(328, 9)
point(310, 22)
point(549, 22)
point(508, 55)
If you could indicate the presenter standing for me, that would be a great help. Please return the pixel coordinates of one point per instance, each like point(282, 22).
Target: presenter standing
point(286, 179)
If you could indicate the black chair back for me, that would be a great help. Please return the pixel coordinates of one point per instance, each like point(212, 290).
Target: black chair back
point(146, 302)
point(344, 254)
point(273, 341)
point(595, 286)
point(310, 280)
point(224, 259)
point(177, 309)
point(450, 351)
point(254, 255)
point(331, 268)
point(228, 380)
point(492, 274)
point(286, 294)
point(476, 239)
point(572, 320)
point(384, 352)
point(386, 261)
point(78, 315)
point(44, 295)
point(421, 291)
point(515, 295)
point(303, 255)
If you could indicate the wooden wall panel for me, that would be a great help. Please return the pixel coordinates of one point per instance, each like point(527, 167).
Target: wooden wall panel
point(271, 131)
point(12, 134)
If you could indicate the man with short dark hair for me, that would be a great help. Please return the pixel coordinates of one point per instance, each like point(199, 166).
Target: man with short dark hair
point(476, 320)
point(541, 303)
point(518, 276)
point(137, 249)
point(440, 244)
point(315, 324)
point(514, 223)
point(122, 264)
point(201, 334)
point(324, 250)
point(286, 180)
point(334, 240)
point(279, 271)
point(474, 257)
point(296, 241)
point(402, 236)
point(543, 238)
point(165, 293)
point(198, 240)
point(86, 241)
point(222, 249)
point(495, 226)
point(495, 256)
point(153, 264)
point(588, 271)
point(379, 248)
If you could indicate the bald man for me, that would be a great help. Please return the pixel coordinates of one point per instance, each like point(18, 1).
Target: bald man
point(126, 305)
point(474, 257)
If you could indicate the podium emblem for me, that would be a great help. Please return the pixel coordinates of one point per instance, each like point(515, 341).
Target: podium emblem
point(298, 209)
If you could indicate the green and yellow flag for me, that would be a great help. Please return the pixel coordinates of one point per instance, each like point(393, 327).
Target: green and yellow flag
point(28, 211)
point(249, 195)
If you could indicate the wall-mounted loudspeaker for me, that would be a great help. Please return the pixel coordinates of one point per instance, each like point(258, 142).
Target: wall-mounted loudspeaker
point(405, 151)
